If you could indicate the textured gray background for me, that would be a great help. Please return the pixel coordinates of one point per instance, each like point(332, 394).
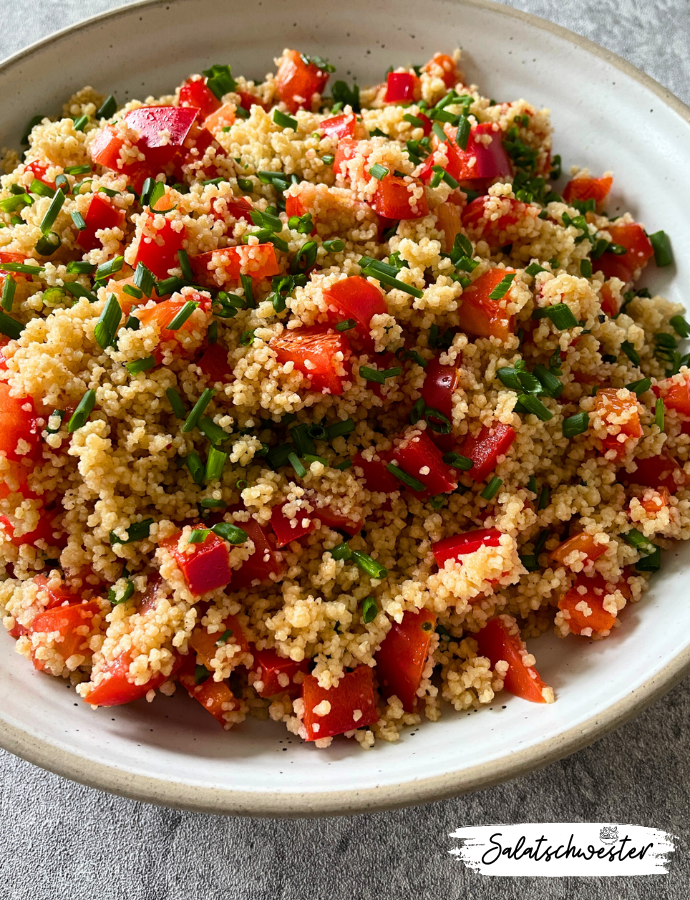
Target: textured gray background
point(60, 840)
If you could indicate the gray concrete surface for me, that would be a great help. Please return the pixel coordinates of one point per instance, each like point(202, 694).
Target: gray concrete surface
point(59, 840)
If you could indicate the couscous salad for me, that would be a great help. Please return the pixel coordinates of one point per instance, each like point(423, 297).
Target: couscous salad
point(318, 401)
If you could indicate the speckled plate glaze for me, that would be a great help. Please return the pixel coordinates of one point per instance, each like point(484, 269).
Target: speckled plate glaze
point(171, 752)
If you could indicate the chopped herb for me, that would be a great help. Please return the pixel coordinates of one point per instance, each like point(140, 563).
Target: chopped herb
point(379, 376)
point(631, 353)
point(531, 404)
point(378, 171)
point(247, 338)
point(680, 326)
point(296, 464)
point(140, 365)
point(107, 109)
point(374, 269)
point(108, 269)
point(38, 187)
point(182, 316)
point(339, 429)
point(637, 540)
point(213, 432)
point(82, 412)
point(195, 466)
point(560, 314)
point(369, 610)
point(35, 120)
point(347, 325)
point(126, 594)
point(406, 478)
point(245, 184)
point(373, 568)
point(342, 551)
point(491, 489)
point(52, 212)
point(211, 503)
point(10, 327)
point(178, 406)
point(201, 674)
point(502, 287)
point(214, 464)
point(283, 120)
point(342, 466)
point(639, 387)
point(20, 267)
point(663, 254)
point(144, 279)
point(108, 322)
point(551, 385)
point(586, 268)
point(13, 204)
point(8, 290)
point(347, 96)
point(304, 259)
point(219, 80)
point(576, 424)
point(58, 414)
point(334, 246)
point(659, 409)
point(529, 561)
point(457, 461)
point(197, 411)
point(442, 175)
point(436, 421)
point(78, 220)
point(651, 563)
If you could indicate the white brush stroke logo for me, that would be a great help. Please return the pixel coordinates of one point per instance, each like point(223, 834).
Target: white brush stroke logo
point(558, 849)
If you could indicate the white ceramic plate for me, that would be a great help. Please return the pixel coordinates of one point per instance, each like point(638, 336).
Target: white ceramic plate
point(606, 115)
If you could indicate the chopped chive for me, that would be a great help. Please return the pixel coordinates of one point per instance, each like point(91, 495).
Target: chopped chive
point(82, 412)
point(58, 414)
point(379, 375)
point(438, 502)
point(439, 132)
point(213, 432)
point(417, 411)
point(302, 438)
point(132, 291)
point(169, 285)
point(107, 109)
point(374, 269)
point(631, 353)
point(38, 187)
point(342, 466)
point(212, 333)
point(187, 273)
point(639, 387)
point(52, 212)
point(231, 533)
point(78, 220)
point(80, 267)
point(178, 406)
point(637, 540)
point(215, 463)
point(680, 326)
point(342, 551)
point(529, 561)
point(248, 288)
point(283, 120)
point(35, 120)
point(491, 489)
point(21, 267)
point(48, 243)
point(586, 268)
point(140, 365)
point(373, 568)
point(407, 479)
point(462, 135)
point(347, 325)
point(201, 674)
point(296, 464)
point(108, 322)
point(195, 466)
point(144, 279)
point(532, 485)
point(531, 404)
point(651, 563)
point(334, 246)
point(542, 538)
point(247, 338)
point(378, 171)
point(182, 316)
point(311, 457)
point(543, 498)
point(16, 203)
point(10, 327)
point(560, 314)
point(457, 461)
point(107, 269)
point(339, 429)
point(661, 244)
point(127, 593)
point(53, 296)
point(574, 425)
point(219, 80)
point(413, 120)
point(197, 411)
point(224, 638)
point(502, 287)
point(198, 536)
point(328, 159)
point(81, 123)
point(552, 386)
point(8, 290)
point(369, 610)
point(442, 175)
point(211, 503)
point(245, 184)
point(436, 421)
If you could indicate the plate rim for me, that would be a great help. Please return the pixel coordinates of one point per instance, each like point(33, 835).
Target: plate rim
point(100, 776)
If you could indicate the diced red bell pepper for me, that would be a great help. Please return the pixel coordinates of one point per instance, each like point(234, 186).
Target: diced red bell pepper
point(402, 87)
point(38, 170)
point(223, 117)
point(196, 93)
point(658, 501)
point(214, 364)
point(401, 659)
point(347, 149)
point(20, 435)
point(162, 131)
point(638, 252)
point(485, 448)
point(610, 304)
point(331, 518)
point(105, 150)
point(595, 619)
point(491, 230)
point(218, 268)
point(264, 561)
point(215, 696)
point(163, 313)
point(298, 81)
point(115, 688)
point(239, 208)
point(206, 567)
point(248, 100)
point(497, 642)
point(661, 471)
point(352, 704)
point(100, 214)
point(159, 254)
point(397, 198)
point(277, 674)
point(191, 157)
point(582, 543)
point(437, 392)
point(205, 643)
point(443, 67)
point(358, 299)
point(69, 623)
point(320, 355)
point(46, 530)
point(479, 314)
point(416, 454)
point(56, 595)
point(288, 530)
point(609, 406)
point(479, 161)
point(342, 126)
point(376, 475)
point(449, 220)
point(458, 545)
point(585, 188)
point(675, 393)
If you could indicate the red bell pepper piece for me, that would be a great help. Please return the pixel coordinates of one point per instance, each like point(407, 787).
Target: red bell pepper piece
point(46, 530)
point(100, 214)
point(67, 622)
point(264, 561)
point(331, 518)
point(402, 87)
point(217, 268)
point(214, 364)
point(476, 219)
point(481, 315)
point(358, 299)
point(215, 696)
point(248, 100)
point(239, 208)
point(206, 567)
point(479, 161)
point(38, 170)
point(321, 356)
point(661, 471)
point(675, 392)
point(288, 530)
point(437, 391)
point(610, 407)
point(196, 93)
point(342, 126)
point(114, 687)
point(352, 702)
point(638, 252)
point(163, 313)
point(585, 188)
point(375, 473)
point(416, 454)
point(458, 545)
point(401, 659)
point(595, 619)
point(610, 304)
point(582, 543)
point(276, 674)
point(159, 254)
point(444, 67)
point(223, 117)
point(20, 435)
point(205, 643)
point(297, 81)
point(500, 640)
point(162, 131)
point(191, 158)
point(485, 448)
point(393, 198)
